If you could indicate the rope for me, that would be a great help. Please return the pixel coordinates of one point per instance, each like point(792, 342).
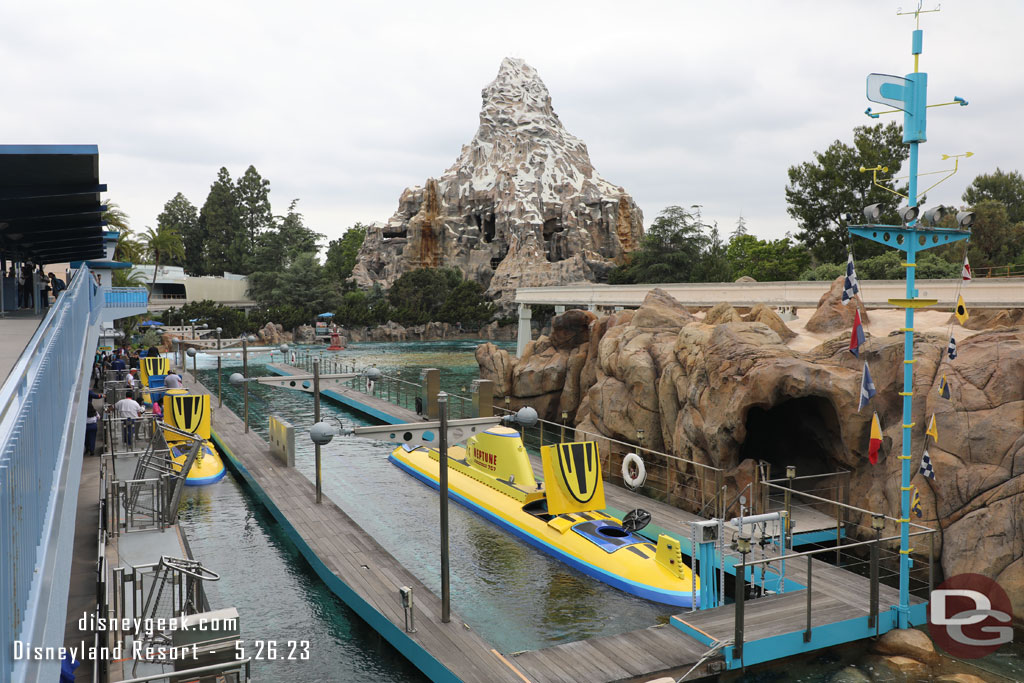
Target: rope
point(719, 644)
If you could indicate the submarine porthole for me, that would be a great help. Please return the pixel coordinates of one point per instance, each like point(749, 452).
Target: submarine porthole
point(803, 432)
point(407, 436)
point(612, 531)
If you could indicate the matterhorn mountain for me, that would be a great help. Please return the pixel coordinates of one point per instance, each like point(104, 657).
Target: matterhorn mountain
point(522, 206)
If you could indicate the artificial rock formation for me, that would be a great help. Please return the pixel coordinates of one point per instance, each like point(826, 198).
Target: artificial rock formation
point(522, 205)
point(730, 393)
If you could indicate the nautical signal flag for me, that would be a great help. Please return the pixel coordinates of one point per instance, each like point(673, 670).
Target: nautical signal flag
point(875, 442)
point(961, 310)
point(867, 387)
point(857, 338)
point(926, 466)
point(850, 286)
point(943, 387)
point(915, 502)
point(933, 430)
point(965, 273)
point(951, 349)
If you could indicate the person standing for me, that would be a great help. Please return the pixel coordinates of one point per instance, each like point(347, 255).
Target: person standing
point(26, 284)
point(43, 289)
point(91, 427)
point(129, 410)
point(57, 285)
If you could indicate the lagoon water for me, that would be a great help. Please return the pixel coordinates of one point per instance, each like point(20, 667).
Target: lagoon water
point(516, 597)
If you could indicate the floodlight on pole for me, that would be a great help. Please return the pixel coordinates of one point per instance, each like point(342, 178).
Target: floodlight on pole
point(873, 212)
point(965, 219)
point(934, 215)
point(908, 214)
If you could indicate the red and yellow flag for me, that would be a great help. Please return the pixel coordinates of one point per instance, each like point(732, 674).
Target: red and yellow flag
point(876, 440)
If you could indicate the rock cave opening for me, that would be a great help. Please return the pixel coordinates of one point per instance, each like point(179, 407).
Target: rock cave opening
point(488, 227)
point(801, 431)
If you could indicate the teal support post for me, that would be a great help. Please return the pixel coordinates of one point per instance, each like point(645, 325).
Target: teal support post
point(910, 96)
point(708, 585)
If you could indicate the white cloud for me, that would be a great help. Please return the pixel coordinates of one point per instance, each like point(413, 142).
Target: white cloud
point(344, 105)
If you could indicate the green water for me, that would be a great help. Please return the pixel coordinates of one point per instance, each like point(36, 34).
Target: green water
point(516, 597)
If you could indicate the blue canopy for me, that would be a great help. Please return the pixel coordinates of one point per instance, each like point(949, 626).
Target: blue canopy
point(326, 315)
point(150, 323)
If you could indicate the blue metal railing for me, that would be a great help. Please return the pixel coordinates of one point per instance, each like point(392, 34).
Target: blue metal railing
point(35, 411)
point(123, 297)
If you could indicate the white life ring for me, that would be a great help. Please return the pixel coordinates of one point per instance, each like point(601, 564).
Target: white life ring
point(632, 460)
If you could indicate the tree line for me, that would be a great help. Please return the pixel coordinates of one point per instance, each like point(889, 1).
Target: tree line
point(680, 246)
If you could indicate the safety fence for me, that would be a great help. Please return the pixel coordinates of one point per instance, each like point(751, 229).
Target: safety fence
point(125, 297)
point(695, 486)
point(37, 404)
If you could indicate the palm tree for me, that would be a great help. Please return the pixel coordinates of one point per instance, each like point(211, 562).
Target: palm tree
point(165, 244)
point(115, 217)
point(127, 248)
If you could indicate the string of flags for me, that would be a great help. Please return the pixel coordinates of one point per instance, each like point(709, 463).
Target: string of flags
point(965, 272)
point(875, 442)
point(867, 387)
point(857, 338)
point(850, 286)
point(915, 502)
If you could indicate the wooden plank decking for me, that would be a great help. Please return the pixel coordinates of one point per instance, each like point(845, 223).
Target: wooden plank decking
point(370, 571)
point(358, 560)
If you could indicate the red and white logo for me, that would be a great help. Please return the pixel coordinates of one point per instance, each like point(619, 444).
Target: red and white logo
point(969, 616)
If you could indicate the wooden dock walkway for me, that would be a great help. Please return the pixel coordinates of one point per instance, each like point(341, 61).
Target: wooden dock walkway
point(356, 567)
point(368, 578)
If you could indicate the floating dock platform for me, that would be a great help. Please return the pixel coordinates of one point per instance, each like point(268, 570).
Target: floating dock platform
point(699, 643)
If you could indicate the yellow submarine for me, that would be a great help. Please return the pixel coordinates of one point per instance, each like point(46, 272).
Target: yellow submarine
point(492, 476)
point(187, 412)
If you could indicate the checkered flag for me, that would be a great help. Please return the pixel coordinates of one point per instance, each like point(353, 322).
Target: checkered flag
point(926, 466)
point(850, 286)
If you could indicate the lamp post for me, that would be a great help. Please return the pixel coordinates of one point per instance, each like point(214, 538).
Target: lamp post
point(565, 418)
point(191, 353)
point(790, 476)
point(423, 434)
point(220, 402)
point(442, 459)
point(316, 418)
point(245, 373)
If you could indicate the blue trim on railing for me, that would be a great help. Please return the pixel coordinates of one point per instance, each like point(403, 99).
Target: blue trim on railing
point(124, 297)
point(40, 446)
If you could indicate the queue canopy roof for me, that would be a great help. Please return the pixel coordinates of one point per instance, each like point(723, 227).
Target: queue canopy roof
point(50, 209)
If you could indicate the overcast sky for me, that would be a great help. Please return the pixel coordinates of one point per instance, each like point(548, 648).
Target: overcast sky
point(344, 104)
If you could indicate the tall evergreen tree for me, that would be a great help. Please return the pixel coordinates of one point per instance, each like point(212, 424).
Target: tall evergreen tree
point(342, 253)
point(252, 193)
point(820, 192)
point(181, 215)
point(219, 223)
point(1007, 188)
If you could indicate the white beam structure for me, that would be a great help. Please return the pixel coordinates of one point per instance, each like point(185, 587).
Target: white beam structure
point(979, 293)
point(1005, 292)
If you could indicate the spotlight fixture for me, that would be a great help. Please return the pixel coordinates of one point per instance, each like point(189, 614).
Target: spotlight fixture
point(908, 214)
point(873, 212)
point(934, 215)
point(965, 219)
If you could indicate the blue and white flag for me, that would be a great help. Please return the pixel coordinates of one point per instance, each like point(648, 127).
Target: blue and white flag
point(926, 466)
point(867, 387)
point(850, 286)
point(951, 349)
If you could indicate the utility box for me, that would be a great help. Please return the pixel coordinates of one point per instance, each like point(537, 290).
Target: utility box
point(430, 386)
point(482, 391)
point(282, 441)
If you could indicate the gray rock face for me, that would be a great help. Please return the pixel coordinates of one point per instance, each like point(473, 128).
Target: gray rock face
point(521, 206)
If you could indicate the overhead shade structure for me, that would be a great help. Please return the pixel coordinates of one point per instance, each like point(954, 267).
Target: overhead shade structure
point(50, 209)
point(326, 315)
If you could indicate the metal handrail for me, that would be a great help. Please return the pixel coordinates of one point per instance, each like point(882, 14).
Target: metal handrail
point(818, 551)
point(844, 505)
point(210, 668)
